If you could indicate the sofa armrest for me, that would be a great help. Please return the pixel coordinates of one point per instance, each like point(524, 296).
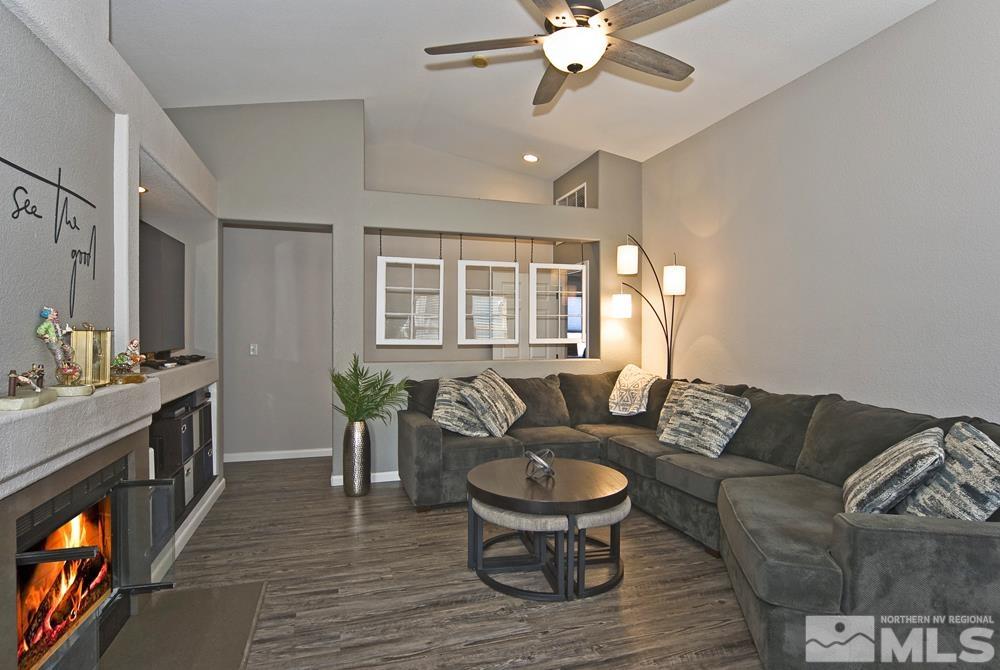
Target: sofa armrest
point(902, 564)
point(420, 457)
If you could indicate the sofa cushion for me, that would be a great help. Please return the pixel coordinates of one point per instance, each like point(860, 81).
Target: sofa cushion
point(587, 396)
point(705, 420)
point(701, 476)
point(843, 435)
point(545, 405)
point(779, 530)
point(968, 486)
point(654, 403)
point(494, 401)
point(422, 395)
point(775, 428)
point(564, 441)
point(459, 452)
point(881, 483)
point(453, 413)
point(638, 453)
point(605, 431)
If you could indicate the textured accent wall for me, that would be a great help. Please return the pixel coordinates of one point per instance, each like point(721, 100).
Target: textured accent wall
point(841, 234)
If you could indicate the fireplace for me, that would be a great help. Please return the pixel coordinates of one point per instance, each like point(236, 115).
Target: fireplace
point(81, 556)
point(53, 597)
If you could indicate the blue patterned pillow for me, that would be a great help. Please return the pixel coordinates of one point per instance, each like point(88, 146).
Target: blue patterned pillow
point(704, 420)
point(882, 482)
point(968, 486)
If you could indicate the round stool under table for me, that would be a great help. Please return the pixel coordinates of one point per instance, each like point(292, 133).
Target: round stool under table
point(543, 517)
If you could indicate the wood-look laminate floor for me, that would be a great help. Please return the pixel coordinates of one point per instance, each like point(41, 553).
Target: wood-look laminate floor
point(371, 583)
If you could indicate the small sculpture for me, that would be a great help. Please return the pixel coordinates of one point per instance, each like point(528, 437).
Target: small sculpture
point(126, 366)
point(15, 379)
point(53, 334)
point(539, 468)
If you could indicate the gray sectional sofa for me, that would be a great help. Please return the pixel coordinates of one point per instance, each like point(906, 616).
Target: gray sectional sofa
point(771, 505)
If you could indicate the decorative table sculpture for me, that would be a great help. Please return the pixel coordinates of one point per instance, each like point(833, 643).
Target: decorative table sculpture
point(126, 366)
point(26, 390)
point(67, 372)
point(365, 395)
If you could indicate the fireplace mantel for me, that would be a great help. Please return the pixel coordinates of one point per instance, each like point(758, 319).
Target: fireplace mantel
point(36, 443)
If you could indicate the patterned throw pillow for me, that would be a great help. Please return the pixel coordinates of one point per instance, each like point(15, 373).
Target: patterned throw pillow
point(704, 420)
point(451, 411)
point(631, 391)
point(493, 401)
point(677, 389)
point(879, 485)
point(968, 486)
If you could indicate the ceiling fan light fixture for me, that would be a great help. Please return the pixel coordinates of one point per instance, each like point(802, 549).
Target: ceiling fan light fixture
point(575, 50)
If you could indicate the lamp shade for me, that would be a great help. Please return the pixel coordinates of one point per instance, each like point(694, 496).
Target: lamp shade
point(674, 280)
point(621, 306)
point(575, 49)
point(628, 259)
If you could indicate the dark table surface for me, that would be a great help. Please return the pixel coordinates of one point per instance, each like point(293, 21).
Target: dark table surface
point(578, 487)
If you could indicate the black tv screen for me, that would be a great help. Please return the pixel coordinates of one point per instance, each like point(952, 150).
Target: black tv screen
point(161, 290)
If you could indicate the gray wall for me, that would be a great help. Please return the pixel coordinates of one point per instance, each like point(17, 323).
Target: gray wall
point(277, 295)
point(410, 168)
point(587, 172)
point(841, 234)
point(304, 163)
point(51, 120)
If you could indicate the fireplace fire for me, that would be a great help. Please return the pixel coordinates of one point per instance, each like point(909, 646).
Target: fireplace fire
point(54, 597)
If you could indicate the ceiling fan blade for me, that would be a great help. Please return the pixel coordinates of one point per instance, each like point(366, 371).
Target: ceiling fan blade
point(630, 12)
point(645, 59)
point(557, 12)
point(551, 82)
point(485, 45)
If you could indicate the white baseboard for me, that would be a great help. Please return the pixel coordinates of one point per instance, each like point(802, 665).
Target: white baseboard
point(246, 456)
point(338, 480)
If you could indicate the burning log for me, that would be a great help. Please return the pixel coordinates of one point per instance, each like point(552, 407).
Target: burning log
point(78, 585)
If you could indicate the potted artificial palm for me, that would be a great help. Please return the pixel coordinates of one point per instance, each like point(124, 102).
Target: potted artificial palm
point(364, 395)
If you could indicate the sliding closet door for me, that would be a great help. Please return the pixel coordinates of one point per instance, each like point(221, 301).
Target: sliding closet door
point(277, 343)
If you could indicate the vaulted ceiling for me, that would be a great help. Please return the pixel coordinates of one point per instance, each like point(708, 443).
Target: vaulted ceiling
point(217, 52)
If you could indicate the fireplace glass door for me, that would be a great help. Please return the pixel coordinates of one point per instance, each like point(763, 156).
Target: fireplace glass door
point(72, 573)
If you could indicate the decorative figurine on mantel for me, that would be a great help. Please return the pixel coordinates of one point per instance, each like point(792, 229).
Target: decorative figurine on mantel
point(26, 390)
point(126, 366)
point(67, 372)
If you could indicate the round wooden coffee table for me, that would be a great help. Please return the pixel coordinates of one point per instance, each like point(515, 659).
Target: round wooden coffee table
point(579, 487)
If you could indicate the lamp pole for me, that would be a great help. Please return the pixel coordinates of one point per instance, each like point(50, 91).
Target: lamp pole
point(668, 330)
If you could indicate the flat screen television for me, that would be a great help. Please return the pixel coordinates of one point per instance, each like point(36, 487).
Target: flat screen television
point(161, 290)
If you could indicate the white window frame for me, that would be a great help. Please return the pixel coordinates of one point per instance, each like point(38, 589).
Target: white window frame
point(462, 316)
point(563, 201)
point(380, 288)
point(533, 313)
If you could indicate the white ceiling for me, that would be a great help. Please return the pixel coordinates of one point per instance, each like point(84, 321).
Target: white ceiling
point(216, 52)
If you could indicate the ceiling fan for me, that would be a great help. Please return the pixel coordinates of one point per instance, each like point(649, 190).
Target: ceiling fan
point(580, 33)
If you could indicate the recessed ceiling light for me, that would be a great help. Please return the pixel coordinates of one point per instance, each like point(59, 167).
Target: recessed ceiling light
point(530, 158)
point(142, 189)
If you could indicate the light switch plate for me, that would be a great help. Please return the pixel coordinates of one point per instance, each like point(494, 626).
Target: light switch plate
point(253, 349)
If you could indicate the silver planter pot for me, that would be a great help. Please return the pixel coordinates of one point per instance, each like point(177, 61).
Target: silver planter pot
point(357, 459)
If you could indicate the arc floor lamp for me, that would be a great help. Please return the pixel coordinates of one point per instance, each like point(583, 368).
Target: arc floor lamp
point(674, 284)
